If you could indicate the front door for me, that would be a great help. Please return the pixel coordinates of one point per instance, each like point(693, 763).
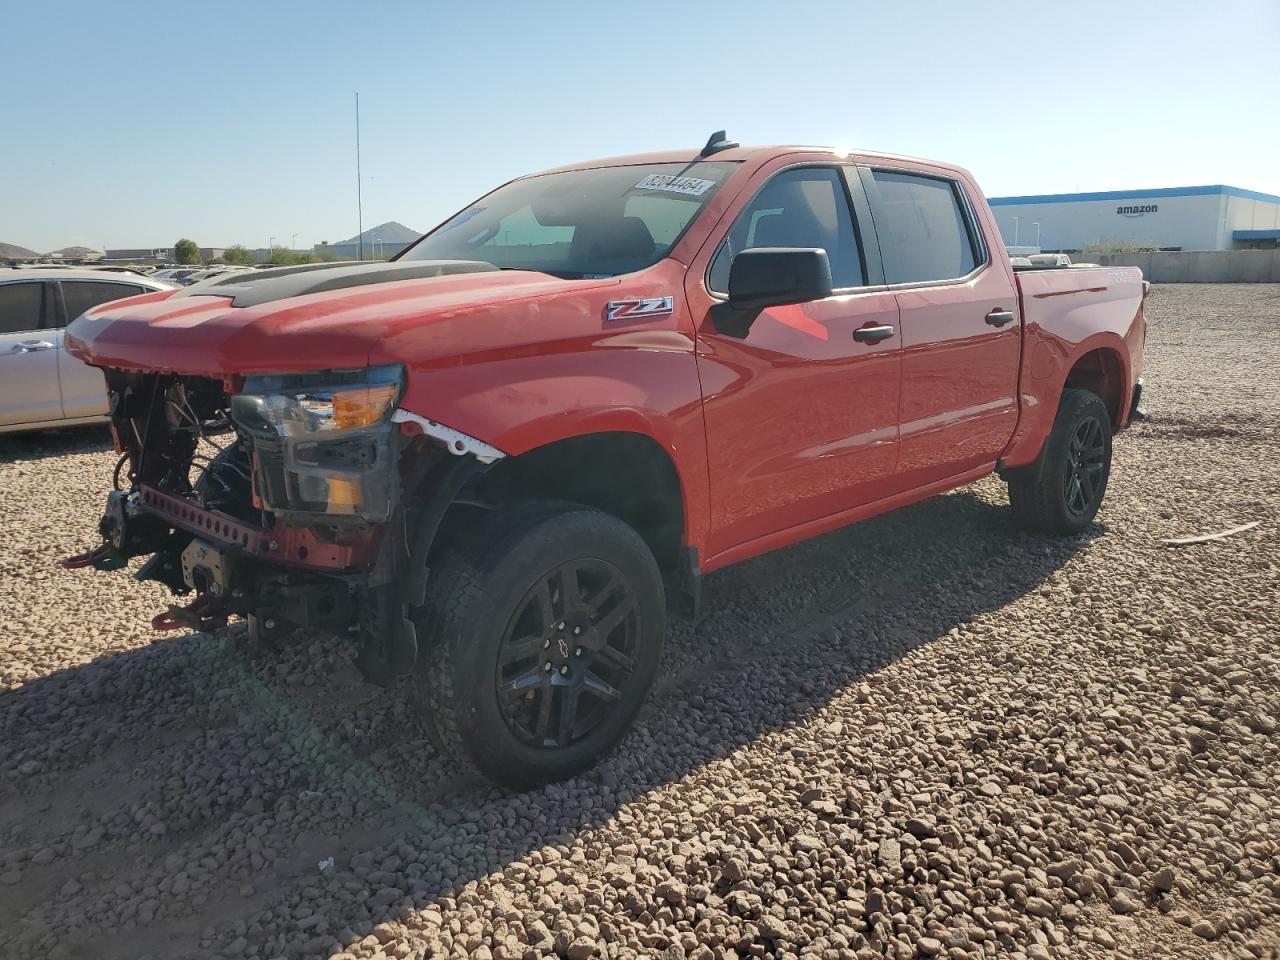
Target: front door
point(28, 354)
point(801, 415)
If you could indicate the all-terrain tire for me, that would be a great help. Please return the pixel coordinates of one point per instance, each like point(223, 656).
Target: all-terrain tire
point(510, 603)
point(1062, 491)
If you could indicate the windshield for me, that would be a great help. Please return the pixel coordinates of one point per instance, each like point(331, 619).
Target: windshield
point(580, 223)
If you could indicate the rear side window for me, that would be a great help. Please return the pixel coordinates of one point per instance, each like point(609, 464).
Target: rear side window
point(923, 230)
point(20, 306)
point(79, 295)
point(804, 207)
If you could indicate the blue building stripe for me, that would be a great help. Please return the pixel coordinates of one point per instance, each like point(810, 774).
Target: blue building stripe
point(1255, 234)
point(1154, 193)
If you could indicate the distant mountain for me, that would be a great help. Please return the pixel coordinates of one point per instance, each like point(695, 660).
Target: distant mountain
point(11, 251)
point(390, 233)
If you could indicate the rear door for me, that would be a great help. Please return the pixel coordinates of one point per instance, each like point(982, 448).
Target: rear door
point(961, 335)
point(28, 354)
point(84, 390)
point(801, 416)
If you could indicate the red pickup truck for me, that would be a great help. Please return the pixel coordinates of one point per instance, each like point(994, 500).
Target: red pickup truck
point(499, 460)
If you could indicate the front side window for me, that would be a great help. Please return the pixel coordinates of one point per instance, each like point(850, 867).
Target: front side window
point(922, 229)
point(20, 306)
point(802, 208)
point(580, 223)
point(79, 295)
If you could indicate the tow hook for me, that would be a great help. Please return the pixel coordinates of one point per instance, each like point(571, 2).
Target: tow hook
point(102, 557)
point(201, 614)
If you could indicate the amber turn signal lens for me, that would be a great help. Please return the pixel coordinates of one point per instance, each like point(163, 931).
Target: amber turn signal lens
point(344, 496)
point(362, 406)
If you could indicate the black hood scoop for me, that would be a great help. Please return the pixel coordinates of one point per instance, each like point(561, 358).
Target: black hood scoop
point(249, 289)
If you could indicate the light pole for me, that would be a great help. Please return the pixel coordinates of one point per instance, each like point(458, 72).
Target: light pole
point(1015, 231)
point(1036, 224)
point(293, 241)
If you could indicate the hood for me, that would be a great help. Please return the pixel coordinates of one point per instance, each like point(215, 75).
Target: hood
point(318, 317)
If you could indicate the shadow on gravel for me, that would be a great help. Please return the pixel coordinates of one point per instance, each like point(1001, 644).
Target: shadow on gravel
point(37, 445)
point(201, 769)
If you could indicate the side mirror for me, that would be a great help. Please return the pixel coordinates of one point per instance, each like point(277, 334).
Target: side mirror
point(770, 277)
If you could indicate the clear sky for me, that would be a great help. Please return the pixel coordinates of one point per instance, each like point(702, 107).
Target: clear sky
point(135, 123)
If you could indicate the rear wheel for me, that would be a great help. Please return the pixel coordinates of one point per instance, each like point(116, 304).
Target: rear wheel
point(1062, 491)
point(545, 627)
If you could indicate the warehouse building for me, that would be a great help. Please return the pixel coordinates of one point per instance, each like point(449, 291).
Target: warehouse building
point(1173, 218)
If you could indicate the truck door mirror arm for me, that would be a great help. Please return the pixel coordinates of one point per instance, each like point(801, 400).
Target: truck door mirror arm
point(770, 277)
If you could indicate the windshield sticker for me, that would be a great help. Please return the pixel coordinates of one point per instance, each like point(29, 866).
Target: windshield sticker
point(643, 309)
point(690, 186)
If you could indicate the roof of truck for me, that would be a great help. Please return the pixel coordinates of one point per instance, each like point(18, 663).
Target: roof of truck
point(734, 155)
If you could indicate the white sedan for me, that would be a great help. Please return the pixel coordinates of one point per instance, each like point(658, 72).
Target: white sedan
point(41, 385)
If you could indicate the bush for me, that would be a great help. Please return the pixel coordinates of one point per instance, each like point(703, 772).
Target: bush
point(240, 256)
point(1119, 246)
point(186, 253)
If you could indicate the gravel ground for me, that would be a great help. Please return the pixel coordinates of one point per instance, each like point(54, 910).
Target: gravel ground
point(926, 735)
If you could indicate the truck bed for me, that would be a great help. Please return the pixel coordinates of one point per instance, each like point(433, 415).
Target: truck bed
point(1068, 312)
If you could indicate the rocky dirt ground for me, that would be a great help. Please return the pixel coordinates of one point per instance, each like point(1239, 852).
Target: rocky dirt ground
point(926, 735)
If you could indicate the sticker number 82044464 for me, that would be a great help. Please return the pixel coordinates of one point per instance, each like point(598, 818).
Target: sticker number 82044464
point(693, 186)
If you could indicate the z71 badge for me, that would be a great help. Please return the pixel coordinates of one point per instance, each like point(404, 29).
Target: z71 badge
point(647, 309)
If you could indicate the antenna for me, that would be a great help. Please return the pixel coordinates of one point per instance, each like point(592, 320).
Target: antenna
point(717, 142)
point(359, 194)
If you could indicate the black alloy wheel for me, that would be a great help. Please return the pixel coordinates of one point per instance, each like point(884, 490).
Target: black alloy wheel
point(1085, 467)
point(540, 637)
point(1062, 490)
point(568, 654)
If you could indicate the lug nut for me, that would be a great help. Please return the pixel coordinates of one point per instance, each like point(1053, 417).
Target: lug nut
point(563, 671)
point(560, 625)
point(578, 652)
point(545, 644)
point(546, 668)
point(577, 631)
point(270, 624)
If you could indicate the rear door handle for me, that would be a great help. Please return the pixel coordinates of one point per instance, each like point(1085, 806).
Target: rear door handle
point(30, 346)
point(998, 318)
point(873, 334)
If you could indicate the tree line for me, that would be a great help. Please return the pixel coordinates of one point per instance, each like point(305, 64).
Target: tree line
point(187, 253)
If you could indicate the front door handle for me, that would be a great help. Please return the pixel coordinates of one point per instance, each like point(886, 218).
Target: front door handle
point(873, 334)
point(998, 318)
point(30, 346)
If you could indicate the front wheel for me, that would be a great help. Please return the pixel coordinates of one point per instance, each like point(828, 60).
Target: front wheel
point(545, 627)
point(1062, 491)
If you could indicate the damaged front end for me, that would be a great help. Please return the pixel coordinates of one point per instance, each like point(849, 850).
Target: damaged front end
point(282, 498)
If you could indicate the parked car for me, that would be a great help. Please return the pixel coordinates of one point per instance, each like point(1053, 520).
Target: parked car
point(207, 272)
point(498, 461)
point(178, 275)
point(41, 385)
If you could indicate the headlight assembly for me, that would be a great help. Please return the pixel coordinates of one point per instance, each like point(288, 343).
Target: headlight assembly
point(322, 443)
point(291, 405)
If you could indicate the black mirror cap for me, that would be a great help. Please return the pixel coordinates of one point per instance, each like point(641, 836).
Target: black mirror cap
point(775, 276)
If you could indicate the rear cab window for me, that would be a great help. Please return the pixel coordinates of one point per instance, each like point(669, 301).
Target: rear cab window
point(925, 227)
